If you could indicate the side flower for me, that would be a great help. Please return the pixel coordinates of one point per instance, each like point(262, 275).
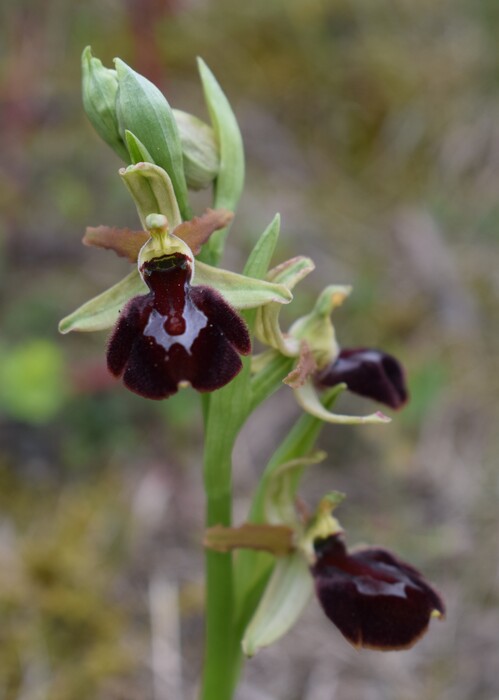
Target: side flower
point(371, 373)
point(319, 362)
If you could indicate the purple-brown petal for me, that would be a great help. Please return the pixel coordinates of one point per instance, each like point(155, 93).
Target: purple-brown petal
point(222, 315)
point(370, 373)
point(125, 333)
point(176, 333)
point(376, 600)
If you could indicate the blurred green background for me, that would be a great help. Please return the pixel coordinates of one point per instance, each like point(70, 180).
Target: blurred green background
point(373, 127)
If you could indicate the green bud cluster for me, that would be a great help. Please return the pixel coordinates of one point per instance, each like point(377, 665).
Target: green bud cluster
point(134, 118)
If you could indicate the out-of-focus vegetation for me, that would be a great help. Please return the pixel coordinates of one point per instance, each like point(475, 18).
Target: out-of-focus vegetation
point(373, 127)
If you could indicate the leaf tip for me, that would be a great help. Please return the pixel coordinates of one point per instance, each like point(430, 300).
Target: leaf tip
point(64, 326)
point(86, 54)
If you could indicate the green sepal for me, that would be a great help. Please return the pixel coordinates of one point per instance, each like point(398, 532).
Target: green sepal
point(267, 328)
point(230, 180)
point(144, 110)
point(286, 595)
point(152, 191)
point(102, 311)
point(99, 88)
point(316, 327)
point(136, 149)
point(308, 398)
point(240, 291)
point(199, 150)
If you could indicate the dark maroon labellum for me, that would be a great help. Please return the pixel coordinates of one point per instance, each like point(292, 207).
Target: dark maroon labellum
point(370, 373)
point(376, 600)
point(176, 333)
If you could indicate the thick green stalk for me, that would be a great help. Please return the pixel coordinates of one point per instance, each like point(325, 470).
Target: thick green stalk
point(224, 413)
point(219, 643)
point(224, 418)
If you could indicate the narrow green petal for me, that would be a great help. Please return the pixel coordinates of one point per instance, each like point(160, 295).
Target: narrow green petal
point(240, 291)
point(308, 399)
point(286, 595)
point(102, 311)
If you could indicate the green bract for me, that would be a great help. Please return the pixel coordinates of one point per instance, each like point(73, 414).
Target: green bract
point(287, 593)
point(230, 179)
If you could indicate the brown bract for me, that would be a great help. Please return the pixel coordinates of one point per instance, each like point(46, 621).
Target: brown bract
point(305, 368)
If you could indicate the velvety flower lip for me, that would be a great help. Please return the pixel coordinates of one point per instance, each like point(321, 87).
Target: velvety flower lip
point(370, 373)
point(376, 600)
point(176, 333)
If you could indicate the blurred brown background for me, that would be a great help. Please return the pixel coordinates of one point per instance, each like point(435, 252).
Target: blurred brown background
point(373, 127)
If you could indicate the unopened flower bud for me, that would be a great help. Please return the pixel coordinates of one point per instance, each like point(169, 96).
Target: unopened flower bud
point(199, 150)
point(99, 89)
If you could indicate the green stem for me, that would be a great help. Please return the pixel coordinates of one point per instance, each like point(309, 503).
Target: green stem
point(223, 419)
point(219, 642)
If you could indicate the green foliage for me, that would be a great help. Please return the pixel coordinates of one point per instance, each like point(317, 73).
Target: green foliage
point(32, 380)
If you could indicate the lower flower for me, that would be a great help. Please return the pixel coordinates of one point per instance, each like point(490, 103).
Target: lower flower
point(176, 334)
point(376, 600)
